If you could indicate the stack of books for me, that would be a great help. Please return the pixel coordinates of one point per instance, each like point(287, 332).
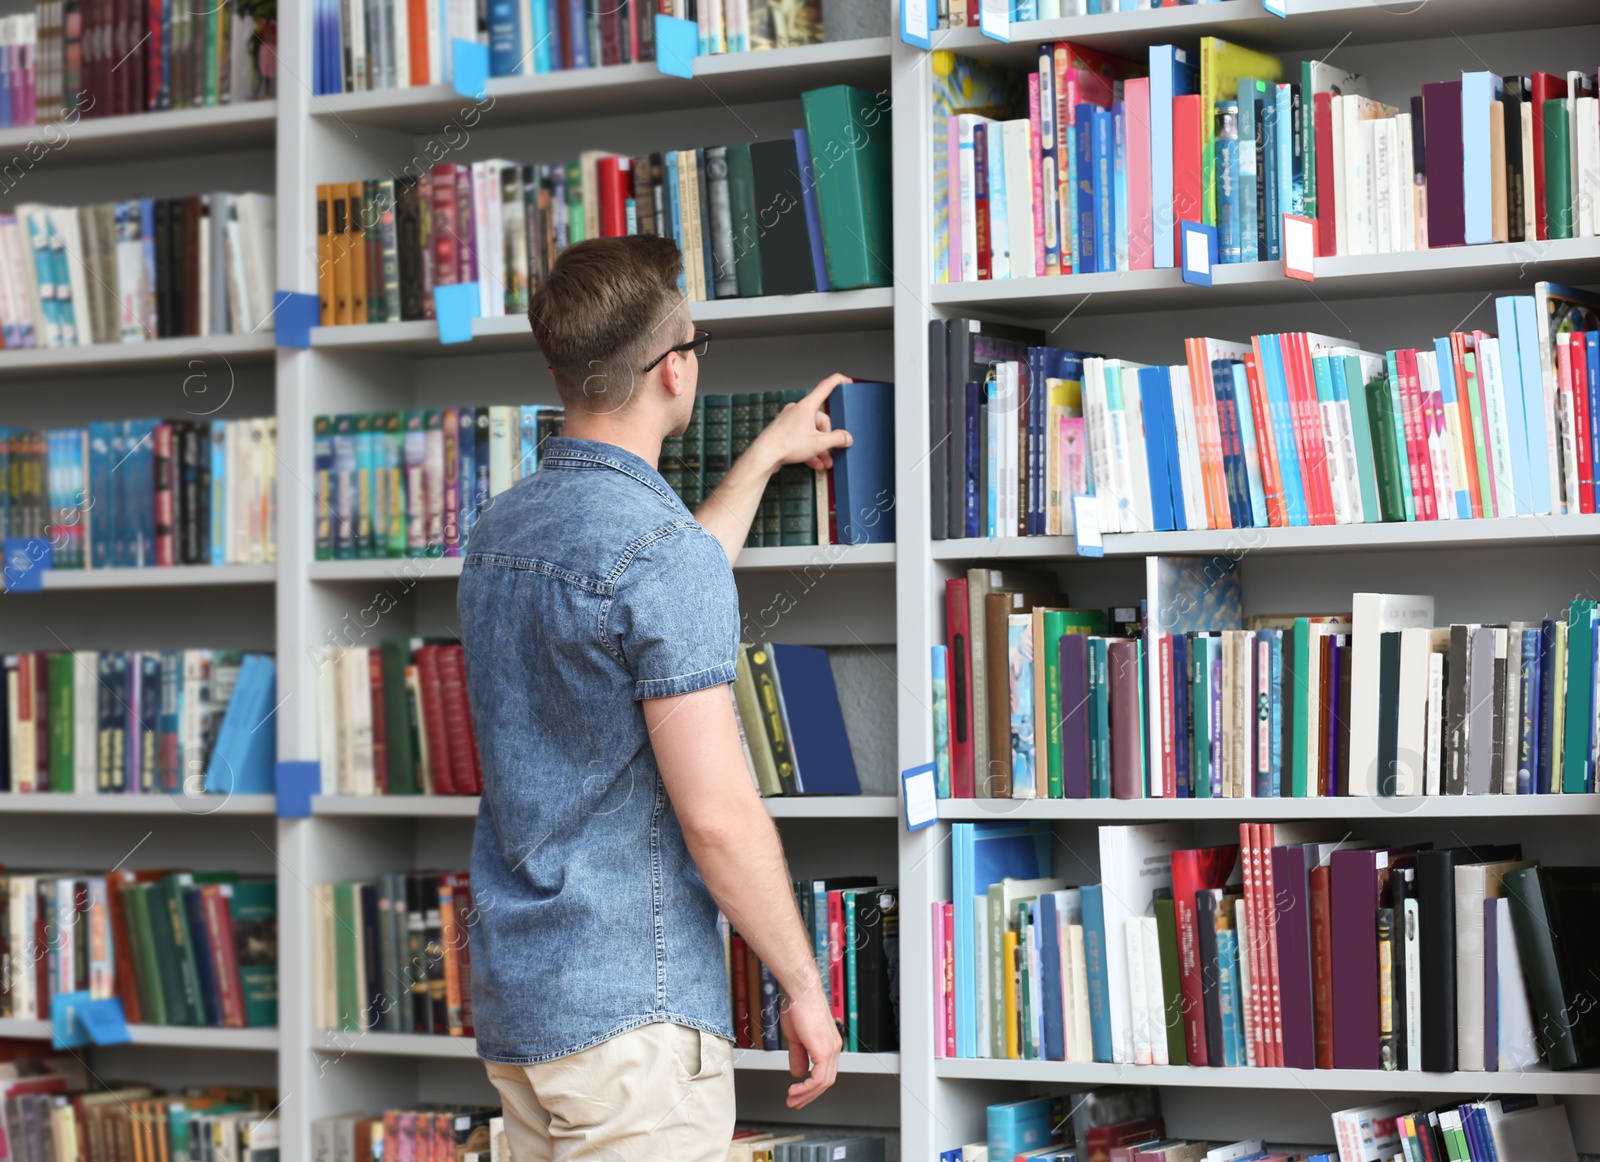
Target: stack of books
point(790, 1144)
point(401, 43)
point(127, 272)
point(854, 924)
point(1206, 703)
point(1099, 1124)
point(177, 948)
point(393, 719)
point(384, 245)
point(64, 63)
point(467, 1133)
point(392, 955)
point(1088, 162)
point(964, 13)
point(137, 722)
point(1297, 947)
point(1282, 430)
point(1479, 1131)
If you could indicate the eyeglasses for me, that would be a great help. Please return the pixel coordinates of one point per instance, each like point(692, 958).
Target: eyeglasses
point(699, 345)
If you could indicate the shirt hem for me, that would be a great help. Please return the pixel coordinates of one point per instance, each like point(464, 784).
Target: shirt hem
point(719, 675)
point(495, 1057)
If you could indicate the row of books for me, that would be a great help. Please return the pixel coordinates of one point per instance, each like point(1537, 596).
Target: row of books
point(791, 722)
point(1298, 947)
point(1284, 430)
point(410, 484)
point(384, 245)
point(854, 924)
point(1491, 1130)
point(393, 719)
point(964, 13)
point(791, 1144)
point(128, 272)
point(53, 1113)
point(178, 948)
point(179, 722)
point(393, 955)
point(1092, 1127)
point(459, 1133)
point(1087, 163)
point(141, 493)
point(388, 44)
point(106, 58)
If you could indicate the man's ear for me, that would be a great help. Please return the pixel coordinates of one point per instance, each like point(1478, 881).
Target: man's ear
point(671, 374)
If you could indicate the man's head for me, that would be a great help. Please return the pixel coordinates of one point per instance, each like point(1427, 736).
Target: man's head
point(610, 308)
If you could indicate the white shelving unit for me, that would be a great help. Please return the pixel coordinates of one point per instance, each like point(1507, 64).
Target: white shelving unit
point(885, 600)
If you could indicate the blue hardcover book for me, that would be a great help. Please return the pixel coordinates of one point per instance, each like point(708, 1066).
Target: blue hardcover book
point(823, 762)
point(1547, 701)
point(1214, 648)
point(1528, 732)
point(366, 489)
point(204, 964)
point(1049, 158)
point(558, 46)
point(1016, 1127)
point(1233, 475)
point(528, 439)
point(467, 478)
point(1252, 450)
point(146, 717)
point(1227, 151)
point(1286, 158)
point(974, 408)
point(578, 29)
point(1228, 995)
point(141, 469)
point(1271, 209)
point(539, 19)
point(863, 474)
point(1156, 397)
point(1249, 207)
point(1119, 180)
point(1527, 317)
point(1172, 74)
point(243, 759)
point(1050, 979)
point(1105, 204)
point(102, 518)
point(808, 194)
point(1480, 94)
point(1178, 677)
point(219, 493)
point(1085, 239)
point(1294, 494)
point(1448, 392)
point(1094, 955)
point(505, 38)
point(984, 854)
point(147, 246)
point(673, 209)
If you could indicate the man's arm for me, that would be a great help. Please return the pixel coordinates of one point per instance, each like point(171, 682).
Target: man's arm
point(736, 848)
point(801, 434)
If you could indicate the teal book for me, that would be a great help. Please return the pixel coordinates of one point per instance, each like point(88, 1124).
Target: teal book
point(253, 905)
point(849, 134)
point(1577, 767)
point(1345, 370)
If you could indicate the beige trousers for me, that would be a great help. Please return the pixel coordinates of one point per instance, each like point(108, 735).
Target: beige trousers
point(660, 1093)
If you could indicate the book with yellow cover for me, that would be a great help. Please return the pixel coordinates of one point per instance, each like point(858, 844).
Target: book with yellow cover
point(1221, 66)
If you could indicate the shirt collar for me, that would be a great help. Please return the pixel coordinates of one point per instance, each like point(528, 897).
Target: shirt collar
point(570, 452)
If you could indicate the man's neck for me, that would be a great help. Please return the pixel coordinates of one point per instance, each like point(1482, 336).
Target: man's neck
point(631, 436)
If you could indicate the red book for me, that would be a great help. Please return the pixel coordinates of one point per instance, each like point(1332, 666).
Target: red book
point(458, 718)
point(380, 732)
point(1459, 344)
point(980, 196)
point(161, 443)
point(959, 676)
point(1266, 445)
point(948, 994)
point(1327, 203)
point(741, 993)
point(1580, 406)
point(1410, 386)
point(610, 34)
point(445, 225)
point(1188, 200)
point(1307, 413)
point(836, 988)
point(41, 721)
point(1322, 965)
point(417, 30)
point(1545, 87)
point(224, 956)
point(433, 715)
point(616, 187)
point(1195, 870)
point(458, 661)
point(457, 928)
point(1101, 1140)
point(1267, 900)
point(1249, 855)
point(153, 50)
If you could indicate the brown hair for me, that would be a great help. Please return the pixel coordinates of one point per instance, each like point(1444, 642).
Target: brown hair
point(606, 306)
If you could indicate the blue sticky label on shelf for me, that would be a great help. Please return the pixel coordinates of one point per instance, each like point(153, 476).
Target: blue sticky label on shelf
point(296, 783)
point(27, 559)
point(469, 64)
point(293, 316)
point(455, 306)
point(1086, 526)
point(1199, 252)
point(104, 1021)
point(921, 796)
point(1277, 7)
point(67, 1030)
point(677, 42)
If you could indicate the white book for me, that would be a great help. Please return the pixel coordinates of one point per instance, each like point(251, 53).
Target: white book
point(1135, 861)
point(1341, 217)
point(1237, 1151)
point(999, 203)
point(1383, 143)
point(1519, 1048)
point(1138, 466)
point(1475, 883)
point(1587, 131)
point(1006, 460)
point(980, 976)
point(85, 721)
point(1082, 1043)
point(1505, 483)
point(1411, 741)
point(1405, 181)
point(968, 194)
point(1411, 949)
point(343, 756)
point(1019, 196)
point(358, 670)
point(1188, 449)
point(324, 1003)
point(324, 661)
point(1119, 455)
point(1339, 482)
point(1511, 713)
point(1155, 996)
point(1247, 1018)
point(1095, 422)
point(1530, 203)
point(1138, 993)
point(402, 45)
point(1435, 710)
point(1371, 615)
point(1575, 85)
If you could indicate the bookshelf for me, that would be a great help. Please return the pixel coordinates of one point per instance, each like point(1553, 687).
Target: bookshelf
point(884, 599)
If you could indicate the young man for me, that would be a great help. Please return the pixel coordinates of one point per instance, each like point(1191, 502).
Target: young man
point(601, 627)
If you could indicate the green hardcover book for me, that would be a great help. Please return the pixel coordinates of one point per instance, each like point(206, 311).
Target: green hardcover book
point(1557, 170)
point(852, 997)
point(746, 426)
point(1200, 699)
point(1576, 773)
point(849, 136)
point(574, 202)
point(402, 759)
point(1558, 766)
point(142, 942)
point(1402, 452)
point(1023, 921)
point(183, 941)
point(797, 493)
point(1347, 376)
point(169, 957)
point(1055, 621)
point(345, 485)
point(366, 493)
point(253, 905)
point(672, 463)
point(694, 449)
point(347, 973)
point(717, 454)
point(59, 671)
point(771, 500)
point(394, 458)
point(1171, 981)
point(1297, 654)
point(388, 239)
point(1099, 721)
point(1385, 456)
point(746, 227)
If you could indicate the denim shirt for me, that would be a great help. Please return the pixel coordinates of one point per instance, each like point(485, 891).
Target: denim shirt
point(587, 587)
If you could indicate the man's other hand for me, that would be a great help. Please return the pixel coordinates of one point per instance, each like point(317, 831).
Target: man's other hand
point(814, 1046)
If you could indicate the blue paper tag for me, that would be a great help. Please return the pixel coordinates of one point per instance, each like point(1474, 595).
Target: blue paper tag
point(915, 23)
point(296, 783)
point(293, 316)
point(27, 560)
point(455, 306)
point(469, 68)
point(1199, 252)
point(921, 796)
point(1086, 526)
point(104, 1021)
point(677, 42)
point(1277, 7)
point(67, 1030)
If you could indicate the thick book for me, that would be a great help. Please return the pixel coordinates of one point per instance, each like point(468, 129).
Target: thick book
point(863, 473)
point(1552, 914)
point(785, 245)
point(810, 698)
point(849, 137)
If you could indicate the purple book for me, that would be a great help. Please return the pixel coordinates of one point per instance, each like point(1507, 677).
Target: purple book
point(808, 191)
point(1291, 884)
point(1354, 898)
point(1441, 114)
point(1075, 716)
point(1330, 744)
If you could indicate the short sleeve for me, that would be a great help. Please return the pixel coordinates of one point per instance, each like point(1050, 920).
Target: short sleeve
point(675, 615)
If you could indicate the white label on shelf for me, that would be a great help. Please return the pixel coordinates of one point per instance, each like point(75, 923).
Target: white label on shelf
point(922, 798)
point(994, 19)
